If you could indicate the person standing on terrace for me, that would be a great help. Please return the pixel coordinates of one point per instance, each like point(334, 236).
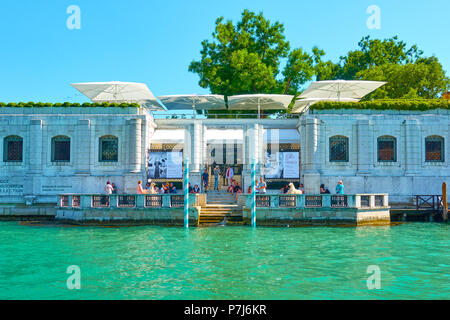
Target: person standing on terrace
point(262, 185)
point(216, 177)
point(340, 187)
point(108, 188)
point(229, 176)
point(205, 180)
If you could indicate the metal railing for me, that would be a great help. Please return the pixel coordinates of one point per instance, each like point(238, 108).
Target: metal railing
point(100, 201)
point(339, 201)
point(64, 201)
point(313, 201)
point(126, 201)
point(287, 201)
point(76, 201)
point(82, 201)
point(428, 202)
point(262, 201)
point(186, 116)
point(153, 201)
point(336, 201)
point(177, 201)
point(365, 201)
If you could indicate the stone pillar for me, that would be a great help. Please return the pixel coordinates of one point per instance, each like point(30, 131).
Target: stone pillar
point(35, 156)
point(83, 147)
point(312, 156)
point(412, 147)
point(134, 151)
point(364, 147)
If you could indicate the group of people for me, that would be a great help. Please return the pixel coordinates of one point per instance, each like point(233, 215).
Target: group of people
point(233, 187)
point(152, 188)
point(111, 188)
point(229, 174)
point(289, 188)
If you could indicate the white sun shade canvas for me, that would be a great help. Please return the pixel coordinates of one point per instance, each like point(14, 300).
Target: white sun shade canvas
point(119, 92)
point(193, 102)
point(301, 104)
point(259, 102)
point(339, 89)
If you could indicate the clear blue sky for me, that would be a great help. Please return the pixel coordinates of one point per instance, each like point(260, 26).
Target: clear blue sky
point(154, 41)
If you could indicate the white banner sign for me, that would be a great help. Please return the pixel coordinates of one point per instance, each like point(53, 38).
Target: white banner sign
point(290, 165)
point(162, 165)
point(280, 165)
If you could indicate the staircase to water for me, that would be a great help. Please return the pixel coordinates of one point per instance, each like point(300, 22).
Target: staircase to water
point(220, 208)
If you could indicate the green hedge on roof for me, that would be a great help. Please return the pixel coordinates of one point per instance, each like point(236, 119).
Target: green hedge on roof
point(67, 105)
point(400, 104)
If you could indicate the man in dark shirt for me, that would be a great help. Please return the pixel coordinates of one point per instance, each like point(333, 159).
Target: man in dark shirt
point(205, 180)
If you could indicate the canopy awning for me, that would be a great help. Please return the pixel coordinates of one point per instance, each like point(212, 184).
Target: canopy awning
point(259, 102)
point(119, 92)
point(302, 104)
point(339, 89)
point(193, 102)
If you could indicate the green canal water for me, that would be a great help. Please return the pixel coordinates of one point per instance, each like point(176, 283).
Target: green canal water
point(225, 262)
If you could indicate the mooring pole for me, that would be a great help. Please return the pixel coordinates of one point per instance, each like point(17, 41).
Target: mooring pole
point(253, 175)
point(186, 193)
point(444, 202)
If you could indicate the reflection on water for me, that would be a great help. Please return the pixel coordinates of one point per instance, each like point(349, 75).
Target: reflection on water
point(224, 263)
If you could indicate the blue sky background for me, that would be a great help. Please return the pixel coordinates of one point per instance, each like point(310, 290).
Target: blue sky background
point(154, 41)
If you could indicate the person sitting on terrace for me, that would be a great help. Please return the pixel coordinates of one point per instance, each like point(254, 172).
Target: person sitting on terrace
point(140, 190)
point(172, 188)
point(230, 187)
point(196, 189)
point(147, 186)
point(323, 189)
point(285, 189)
point(237, 189)
point(249, 190)
point(153, 189)
point(256, 186)
point(302, 188)
point(166, 188)
point(191, 190)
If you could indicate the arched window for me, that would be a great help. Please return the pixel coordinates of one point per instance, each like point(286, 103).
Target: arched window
point(434, 149)
point(13, 149)
point(387, 149)
point(109, 149)
point(338, 149)
point(61, 149)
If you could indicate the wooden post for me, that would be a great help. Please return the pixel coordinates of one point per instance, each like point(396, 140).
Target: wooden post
point(444, 202)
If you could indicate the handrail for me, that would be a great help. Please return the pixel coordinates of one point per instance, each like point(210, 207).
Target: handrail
point(188, 116)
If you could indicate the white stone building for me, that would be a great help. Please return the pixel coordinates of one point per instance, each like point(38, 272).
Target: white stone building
point(50, 151)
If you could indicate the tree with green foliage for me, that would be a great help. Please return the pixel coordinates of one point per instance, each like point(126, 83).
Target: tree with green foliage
point(408, 73)
point(424, 78)
point(245, 58)
point(376, 52)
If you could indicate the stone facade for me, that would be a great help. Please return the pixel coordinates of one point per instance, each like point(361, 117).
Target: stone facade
point(408, 175)
point(39, 179)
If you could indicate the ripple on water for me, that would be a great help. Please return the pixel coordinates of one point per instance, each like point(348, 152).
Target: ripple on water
point(224, 263)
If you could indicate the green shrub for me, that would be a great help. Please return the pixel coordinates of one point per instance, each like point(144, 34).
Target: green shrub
point(400, 104)
point(68, 105)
